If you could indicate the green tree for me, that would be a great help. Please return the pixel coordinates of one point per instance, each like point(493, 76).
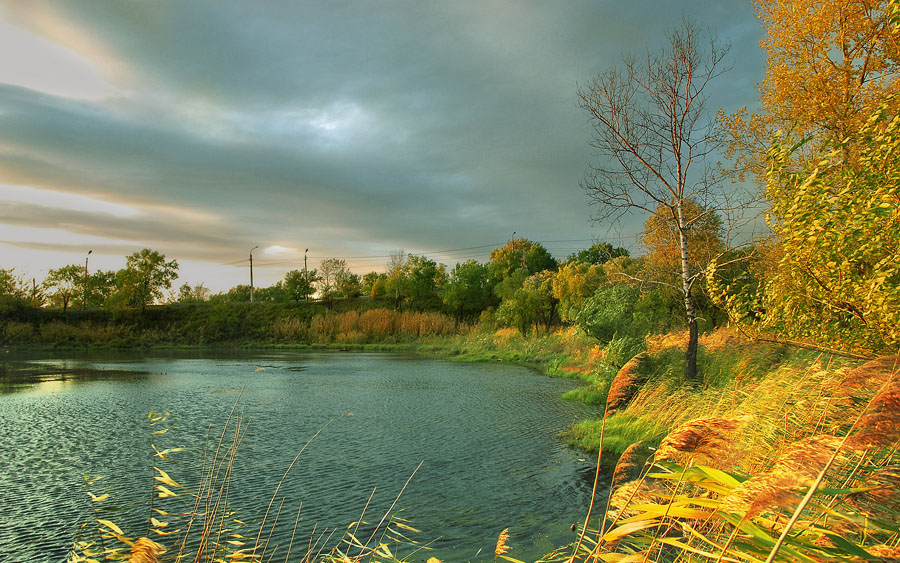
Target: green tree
point(144, 279)
point(188, 294)
point(609, 312)
point(11, 285)
point(330, 272)
point(424, 278)
point(300, 285)
point(531, 304)
point(575, 282)
point(520, 253)
point(349, 285)
point(598, 253)
point(468, 290)
point(100, 286)
point(65, 284)
point(836, 283)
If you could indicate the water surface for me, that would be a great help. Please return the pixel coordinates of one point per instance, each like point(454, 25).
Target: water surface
point(486, 436)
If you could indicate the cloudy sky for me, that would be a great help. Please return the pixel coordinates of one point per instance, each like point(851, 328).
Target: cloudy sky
point(204, 128)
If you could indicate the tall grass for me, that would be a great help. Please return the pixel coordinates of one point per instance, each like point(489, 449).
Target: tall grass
point(201, 525)
point(796, 463)
point(378, 325)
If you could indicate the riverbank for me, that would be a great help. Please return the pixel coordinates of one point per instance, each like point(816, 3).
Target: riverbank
point(652, 401)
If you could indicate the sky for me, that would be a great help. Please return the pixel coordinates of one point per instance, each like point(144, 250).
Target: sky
point(203, 129)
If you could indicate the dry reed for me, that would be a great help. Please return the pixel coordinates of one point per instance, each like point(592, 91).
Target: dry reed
point(629, 466)
point(879, 426)
point(798, 467)
point(502, 543)
point(145, 550)
point(626, 384)
point(710, 441)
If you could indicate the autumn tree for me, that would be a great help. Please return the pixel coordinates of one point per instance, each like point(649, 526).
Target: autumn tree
point(520, 253)
point(835, 281)
point(703, 231)
point(576, 282)
point(656, 146)
point(829, 64)
point(65, 283)
point(396, 284)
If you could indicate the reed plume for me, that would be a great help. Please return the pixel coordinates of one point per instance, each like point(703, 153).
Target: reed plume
point(885, 552)
point(880, 424)
point(502, 545)
point(869, 376)
point(711, 441)
point(798, 467)
point(144, 550)
point(629, 465)
point(626, 384)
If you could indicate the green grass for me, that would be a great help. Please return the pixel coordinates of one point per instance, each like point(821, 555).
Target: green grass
point(622, 430)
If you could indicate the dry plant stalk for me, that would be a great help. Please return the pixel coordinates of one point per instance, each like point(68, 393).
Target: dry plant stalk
point(625, 385)
point(502, 545)
point(628, 468)
point(798, 467)
point(711, 441)
point(144, 550)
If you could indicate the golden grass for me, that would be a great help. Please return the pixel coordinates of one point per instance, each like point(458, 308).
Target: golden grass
point(378, 325)
point(626, 384)
point(145, 550)
point(818, 481)
point(710, 441)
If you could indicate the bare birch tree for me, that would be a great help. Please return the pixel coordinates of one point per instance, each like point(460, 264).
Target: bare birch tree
point(655, 143)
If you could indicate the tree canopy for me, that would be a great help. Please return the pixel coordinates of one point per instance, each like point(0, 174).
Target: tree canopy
point(836, 281)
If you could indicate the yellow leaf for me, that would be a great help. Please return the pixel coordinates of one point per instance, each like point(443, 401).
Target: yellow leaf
point(164, 478)
point(111, 526)
point(164, 492)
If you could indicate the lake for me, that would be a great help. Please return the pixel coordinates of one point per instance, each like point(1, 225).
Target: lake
point(486, 435)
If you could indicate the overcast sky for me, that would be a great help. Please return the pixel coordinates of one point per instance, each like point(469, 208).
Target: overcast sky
point(204, 128)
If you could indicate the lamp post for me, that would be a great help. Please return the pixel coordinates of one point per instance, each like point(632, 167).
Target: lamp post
point(85, 284)
point(251, 272)
point(305, 278)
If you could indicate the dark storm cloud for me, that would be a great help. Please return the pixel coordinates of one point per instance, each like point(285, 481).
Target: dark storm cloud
point(421, 125)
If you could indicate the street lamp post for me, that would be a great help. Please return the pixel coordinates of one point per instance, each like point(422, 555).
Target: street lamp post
point(251, 272)
point(85, 285)
point(305, 278)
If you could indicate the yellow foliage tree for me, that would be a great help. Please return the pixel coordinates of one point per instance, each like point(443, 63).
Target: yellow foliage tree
point(837, 282)
point(829, 64)
point(703, 230)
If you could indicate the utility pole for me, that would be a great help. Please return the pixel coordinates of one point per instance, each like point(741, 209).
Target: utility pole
point(85, 288)
point(305, 278)
point(251, 272)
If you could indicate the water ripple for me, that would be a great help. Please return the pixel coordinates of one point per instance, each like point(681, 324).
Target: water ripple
point(485, 434)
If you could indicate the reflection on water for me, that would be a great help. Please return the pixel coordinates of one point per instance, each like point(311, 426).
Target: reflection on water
point(49, 376)
point(486, 436)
